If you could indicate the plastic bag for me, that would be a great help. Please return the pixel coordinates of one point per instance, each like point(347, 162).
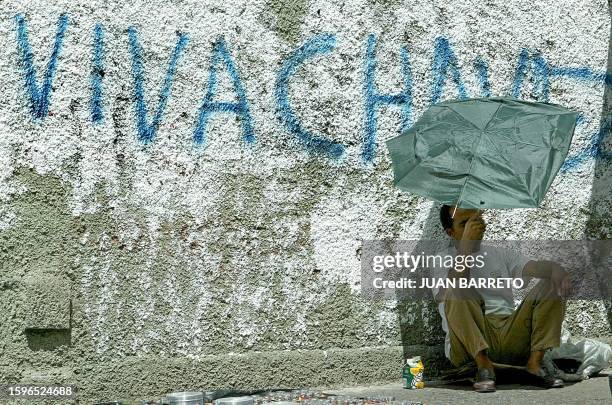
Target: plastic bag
point(592, 355)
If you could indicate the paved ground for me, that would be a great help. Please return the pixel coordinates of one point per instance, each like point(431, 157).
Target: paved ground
point(593, 391)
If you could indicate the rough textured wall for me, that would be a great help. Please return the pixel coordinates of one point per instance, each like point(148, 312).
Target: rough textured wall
point(185, 184)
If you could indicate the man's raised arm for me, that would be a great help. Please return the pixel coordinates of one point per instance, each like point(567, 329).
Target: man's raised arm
point(550, 270)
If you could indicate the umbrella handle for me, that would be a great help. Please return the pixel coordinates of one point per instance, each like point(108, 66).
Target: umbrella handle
point(467, 178)
point(460, 195)
point(459, 199)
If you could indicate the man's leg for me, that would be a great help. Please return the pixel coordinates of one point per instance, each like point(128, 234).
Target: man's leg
point(468, 331)
point(548, 314)
point(469, 334)
point(533, 328)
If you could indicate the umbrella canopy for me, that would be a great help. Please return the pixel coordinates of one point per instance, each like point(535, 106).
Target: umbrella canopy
point(484, 152)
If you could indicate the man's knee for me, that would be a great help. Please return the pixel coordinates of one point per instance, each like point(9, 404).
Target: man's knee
point(545, 289)
point(545, 285)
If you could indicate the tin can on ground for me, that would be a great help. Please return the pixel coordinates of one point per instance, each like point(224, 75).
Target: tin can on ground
point(413, 373)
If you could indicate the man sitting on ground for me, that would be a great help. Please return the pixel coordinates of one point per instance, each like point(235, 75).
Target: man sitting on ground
point(481, 324)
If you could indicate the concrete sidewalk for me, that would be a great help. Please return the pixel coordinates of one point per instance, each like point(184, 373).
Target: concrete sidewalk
point(592, 391)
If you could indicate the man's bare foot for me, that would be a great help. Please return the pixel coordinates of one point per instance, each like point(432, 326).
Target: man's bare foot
point(541, 377)
point(534, 363)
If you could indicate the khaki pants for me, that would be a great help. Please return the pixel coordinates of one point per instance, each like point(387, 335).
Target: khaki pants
point(509, 339)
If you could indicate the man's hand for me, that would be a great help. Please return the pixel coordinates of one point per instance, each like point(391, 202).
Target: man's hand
point(562, 282)
point(474, 227)
point(473, 232)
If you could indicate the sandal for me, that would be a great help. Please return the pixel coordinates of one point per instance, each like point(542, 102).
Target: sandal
point(485, 380)
point(545, 379)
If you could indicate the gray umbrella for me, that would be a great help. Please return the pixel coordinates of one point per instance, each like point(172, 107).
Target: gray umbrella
point(483, 153)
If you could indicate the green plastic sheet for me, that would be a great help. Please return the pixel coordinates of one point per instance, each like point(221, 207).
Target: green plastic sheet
point(494, 152)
